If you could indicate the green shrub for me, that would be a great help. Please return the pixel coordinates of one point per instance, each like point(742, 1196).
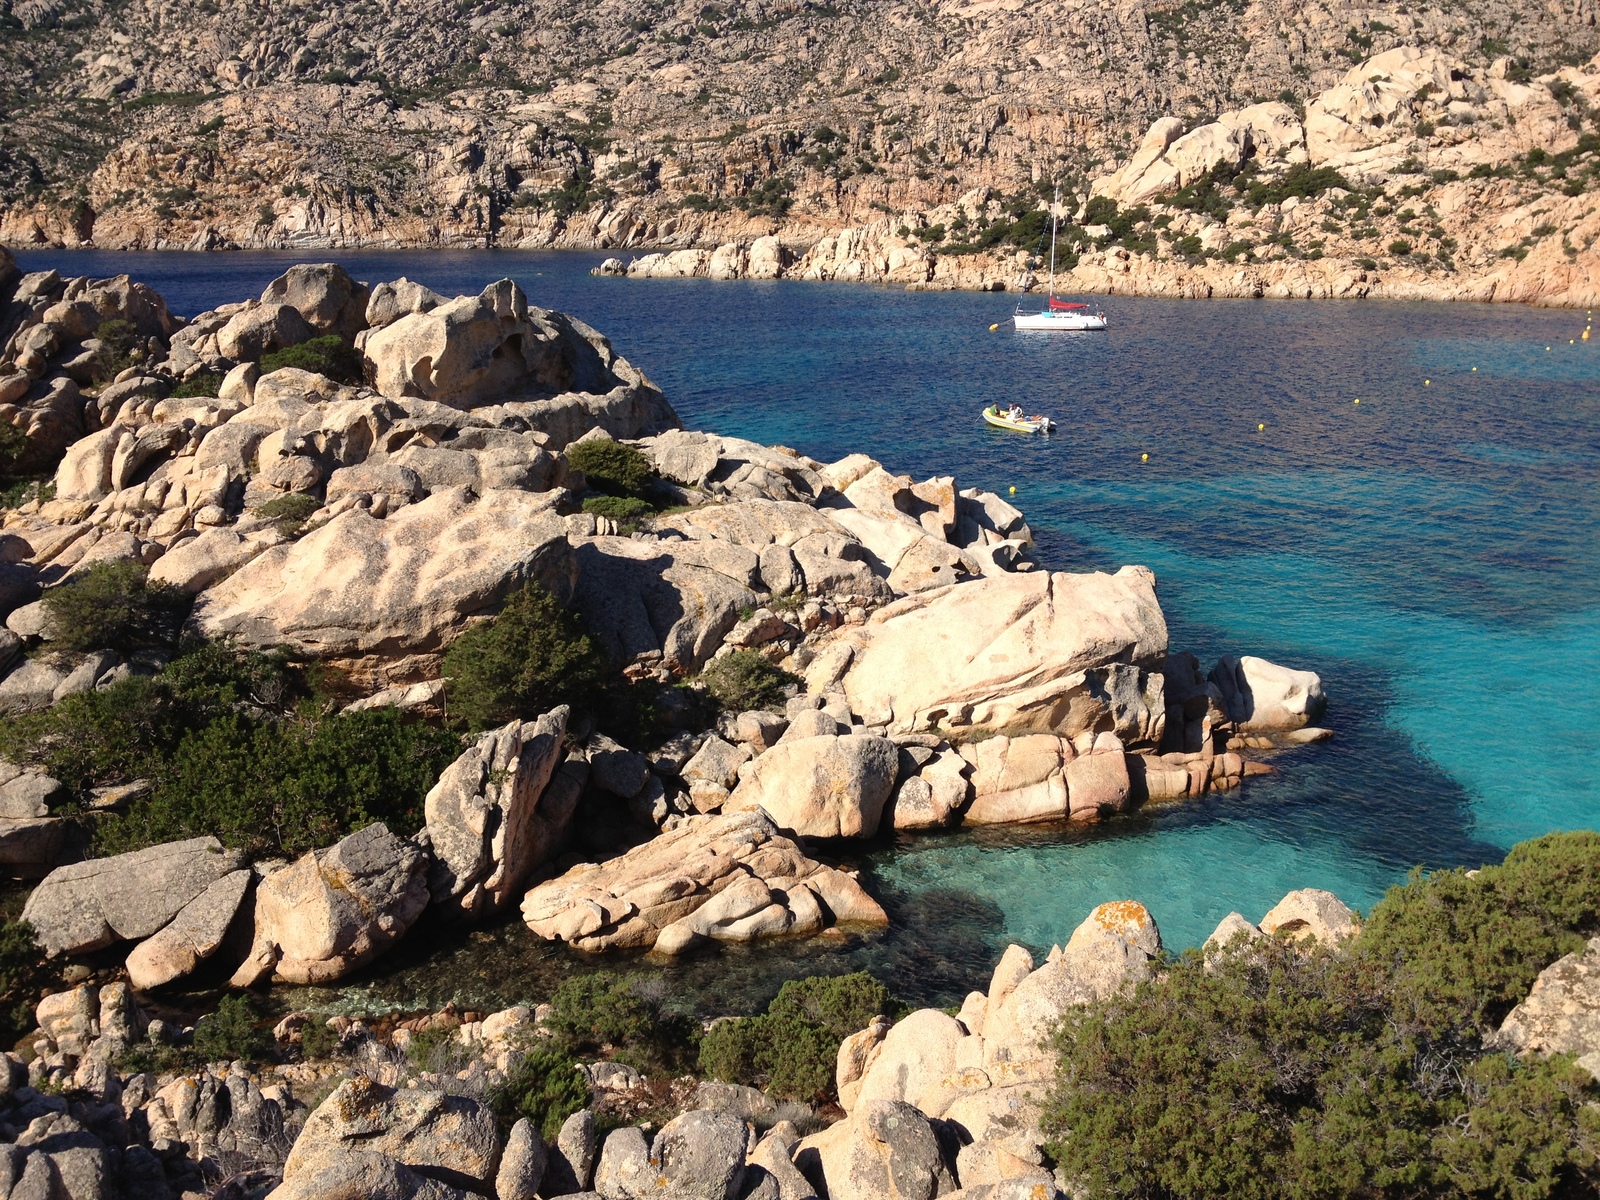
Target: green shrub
point(1399, 247)
point(290, 511)
point(612, 467)
point(600, 1014)
point(545, 1087)
point(200, 384)
point(1463, 952)
point(317, 1041)
point(233, 749)
point(1285, 1070)
point(626, 511)
point(287, 785)
point(530, 658)
point(112, 606)
point(745, 680)
point(128, 730)
point(792, 1049)
point(328, 355)
point(24, 976)
point(231, 1033)
point(111, 357)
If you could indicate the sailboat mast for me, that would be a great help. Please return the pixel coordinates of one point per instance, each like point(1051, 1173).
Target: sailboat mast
point(1054, 205)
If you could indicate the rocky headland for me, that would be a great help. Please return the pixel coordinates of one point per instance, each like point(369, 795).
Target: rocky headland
point(1445, 151)
point(910, 667)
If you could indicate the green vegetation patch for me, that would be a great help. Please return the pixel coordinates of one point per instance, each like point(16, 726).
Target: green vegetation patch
point(605, 1016)
point(1284, 1070)
point(611, 467)
point(328, 355)
point(113, 606)
point(530, 658)
point(24, 978)
point(745, 680)
point(545, 1087)
point(234, 746)
point(792, 1049)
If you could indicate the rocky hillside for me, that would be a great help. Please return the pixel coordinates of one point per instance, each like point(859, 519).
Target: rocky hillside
point(533, 123)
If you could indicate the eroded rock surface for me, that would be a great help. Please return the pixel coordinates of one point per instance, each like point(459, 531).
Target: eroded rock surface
point(729, 878)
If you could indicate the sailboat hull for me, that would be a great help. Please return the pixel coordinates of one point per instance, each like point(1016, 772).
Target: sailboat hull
point(1059, 322)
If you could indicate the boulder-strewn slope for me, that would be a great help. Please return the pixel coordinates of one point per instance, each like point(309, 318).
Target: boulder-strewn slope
point(434, 123)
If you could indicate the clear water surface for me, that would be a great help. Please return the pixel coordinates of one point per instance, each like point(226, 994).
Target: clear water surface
point(1432, 551)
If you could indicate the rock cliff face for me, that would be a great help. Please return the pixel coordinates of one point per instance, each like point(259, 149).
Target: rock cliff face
point(828, 129)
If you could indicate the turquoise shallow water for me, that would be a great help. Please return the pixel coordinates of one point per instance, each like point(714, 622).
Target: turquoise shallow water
point(1432, 552)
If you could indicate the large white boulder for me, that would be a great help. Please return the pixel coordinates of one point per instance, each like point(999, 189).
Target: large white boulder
point(1263, 697)
point(1036, 652)
point(484, 818)
point(334, 910)
point(731, 877)
point(84, 906)
point(829, 787)
point(407, 583)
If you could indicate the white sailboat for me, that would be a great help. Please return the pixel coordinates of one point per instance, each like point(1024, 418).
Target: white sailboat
point(1057, 315)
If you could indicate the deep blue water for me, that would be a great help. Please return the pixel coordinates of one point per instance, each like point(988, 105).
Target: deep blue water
point(1432, 551)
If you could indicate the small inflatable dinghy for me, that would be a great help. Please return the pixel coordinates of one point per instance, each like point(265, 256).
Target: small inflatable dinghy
point(1033, 424)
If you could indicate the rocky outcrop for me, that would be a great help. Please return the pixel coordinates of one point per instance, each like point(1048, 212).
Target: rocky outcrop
point(88, 905)
point(490, 820)
point(726, 878)
point(365, 1129)
point(333, 910)
point(1562, 1012)
point(195, 934)
point(496, 348)
point(1039, 651)
point(398, 585)
point(826, 787)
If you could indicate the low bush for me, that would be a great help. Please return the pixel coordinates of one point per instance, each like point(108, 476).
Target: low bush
point(328, 355)
point(545, 1087)
point(530, 658)
point(290, 511)
point(24, 977)
point(626, 511)
point(112, 356)
point(317, 1041)
point(232, 1033)
point(113, 606)
point(601, 1014)
point(745, 680)
point(233, 748)
point(792, 1049)
point(612, 467)
point(1285, 1070)
point(200, 384)
point(287, 785)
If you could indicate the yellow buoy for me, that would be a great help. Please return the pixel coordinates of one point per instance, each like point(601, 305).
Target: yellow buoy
point(1474, 368)
point(992, 328)
point(1358, 399)
point(1427, 383)
point(1013, 490)
point(1259, 428)
point(1144, 458)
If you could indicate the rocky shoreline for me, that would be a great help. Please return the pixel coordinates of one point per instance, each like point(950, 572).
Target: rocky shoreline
point(917, 670)
point(1413, 178)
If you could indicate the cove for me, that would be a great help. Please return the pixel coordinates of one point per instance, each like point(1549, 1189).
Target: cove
point(1430, 551)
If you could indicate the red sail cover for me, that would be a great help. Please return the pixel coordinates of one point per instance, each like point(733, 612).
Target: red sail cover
point(1063, 305)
